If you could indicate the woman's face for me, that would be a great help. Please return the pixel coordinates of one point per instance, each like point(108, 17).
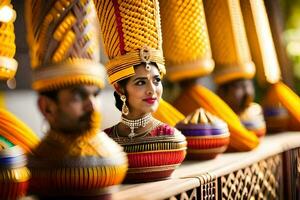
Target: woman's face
point(144, 91)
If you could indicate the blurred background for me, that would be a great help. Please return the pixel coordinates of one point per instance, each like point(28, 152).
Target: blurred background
point(22, 100)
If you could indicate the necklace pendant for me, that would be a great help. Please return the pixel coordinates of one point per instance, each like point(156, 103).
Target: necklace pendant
point(131, 135)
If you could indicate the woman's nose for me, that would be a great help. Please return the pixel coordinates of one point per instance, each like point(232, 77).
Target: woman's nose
point(150, 89)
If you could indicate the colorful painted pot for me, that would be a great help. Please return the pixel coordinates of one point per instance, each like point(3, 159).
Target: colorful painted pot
point(207, 135)
point(85, 167)
point(253, 119)
point(154, 156)
point(14, 175)
point(277, 118)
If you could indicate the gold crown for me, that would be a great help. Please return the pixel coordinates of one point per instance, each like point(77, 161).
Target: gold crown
point(131, 35)
point(261, 41)
point(185, 39)
point(228, 39)
point(64, 43)
point(8, 65)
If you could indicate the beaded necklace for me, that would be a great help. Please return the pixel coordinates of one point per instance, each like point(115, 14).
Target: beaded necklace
point(136, 123)
point(142, 134)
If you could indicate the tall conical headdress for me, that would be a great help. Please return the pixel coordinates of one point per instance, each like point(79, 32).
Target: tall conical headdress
point(64, 43)
point(228, 39)
point(11, 128)
point(276, 20)
point(265, 57)
point(185, 39)
point(261, 41)
point(232, 57)
point(8, 65)
point(131, 35)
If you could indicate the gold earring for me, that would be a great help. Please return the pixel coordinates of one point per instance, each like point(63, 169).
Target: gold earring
point(125, 109)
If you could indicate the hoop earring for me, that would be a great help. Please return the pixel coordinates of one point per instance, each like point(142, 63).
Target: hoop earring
point(125, 109)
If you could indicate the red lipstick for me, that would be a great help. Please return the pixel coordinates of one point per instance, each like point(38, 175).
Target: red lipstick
point(150, 100)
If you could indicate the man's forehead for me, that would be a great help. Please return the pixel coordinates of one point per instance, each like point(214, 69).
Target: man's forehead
point(82, 88)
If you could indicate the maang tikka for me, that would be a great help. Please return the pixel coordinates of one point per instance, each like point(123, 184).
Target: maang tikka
point(145, 57)
point(125, 109)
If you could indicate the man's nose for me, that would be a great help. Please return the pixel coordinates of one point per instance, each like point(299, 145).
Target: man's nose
point(91, 104)
point(249, 90)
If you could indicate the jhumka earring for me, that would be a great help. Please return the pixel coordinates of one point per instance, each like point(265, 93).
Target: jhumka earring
point(125, 109)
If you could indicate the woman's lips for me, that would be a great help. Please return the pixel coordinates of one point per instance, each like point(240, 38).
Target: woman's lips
point(150, 100)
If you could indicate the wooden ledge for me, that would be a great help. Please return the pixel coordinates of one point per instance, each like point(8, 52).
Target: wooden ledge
point(193, 173)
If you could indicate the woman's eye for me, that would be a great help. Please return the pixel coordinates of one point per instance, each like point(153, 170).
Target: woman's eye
point(156, 80)
point(140, 83)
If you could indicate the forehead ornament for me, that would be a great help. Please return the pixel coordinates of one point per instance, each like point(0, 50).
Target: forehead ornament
point(145, 57)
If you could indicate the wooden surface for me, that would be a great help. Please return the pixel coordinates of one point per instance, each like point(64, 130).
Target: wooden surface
point(190, 173)
point(156, 190)
point(228, 162)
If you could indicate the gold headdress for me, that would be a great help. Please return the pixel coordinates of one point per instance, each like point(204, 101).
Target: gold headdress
point(131, 34)
point(64, 43)
point(260, 41)
point(11, 128)
point(233, 61)
point(185, 39)
point(8, 65)
point(265, 57)
point(230, 48)
point(276, 20)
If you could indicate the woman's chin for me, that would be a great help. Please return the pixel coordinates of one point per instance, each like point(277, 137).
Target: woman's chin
point(147, 108)
point(153, 108)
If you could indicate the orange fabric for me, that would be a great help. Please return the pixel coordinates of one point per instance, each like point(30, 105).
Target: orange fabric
point(288, 99)
point(199, 96)
point(167, 113)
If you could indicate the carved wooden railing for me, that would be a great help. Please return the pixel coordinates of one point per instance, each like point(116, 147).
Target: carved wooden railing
point(271, 171)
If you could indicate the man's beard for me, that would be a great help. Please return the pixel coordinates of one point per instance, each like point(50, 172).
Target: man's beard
point(89, 122)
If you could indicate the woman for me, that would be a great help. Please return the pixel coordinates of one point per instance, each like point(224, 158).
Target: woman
point(136, 97)
point(132, 39)
point(154, 149)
